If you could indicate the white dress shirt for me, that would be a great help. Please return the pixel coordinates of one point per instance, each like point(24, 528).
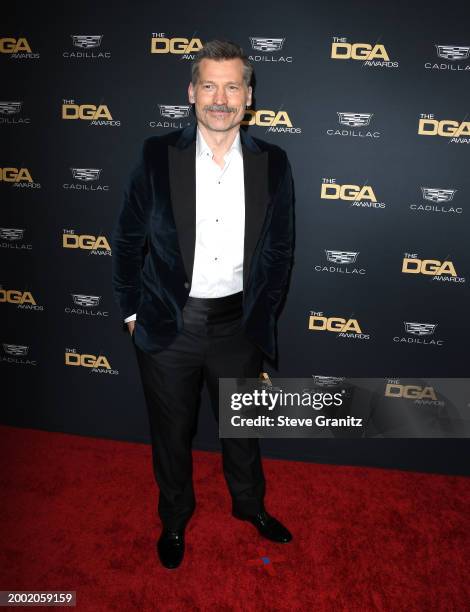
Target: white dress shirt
point(220, 223)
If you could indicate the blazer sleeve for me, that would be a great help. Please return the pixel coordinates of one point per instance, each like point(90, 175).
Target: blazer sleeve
point(129, 237)
point(280, 244)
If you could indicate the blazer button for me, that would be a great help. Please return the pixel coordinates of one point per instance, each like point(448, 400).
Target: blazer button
point(186, 285)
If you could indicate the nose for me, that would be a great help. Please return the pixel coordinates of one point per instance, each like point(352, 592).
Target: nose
point(220, 96)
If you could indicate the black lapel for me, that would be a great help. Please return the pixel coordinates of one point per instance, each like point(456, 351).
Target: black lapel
point(182, 171)
point(255, 169)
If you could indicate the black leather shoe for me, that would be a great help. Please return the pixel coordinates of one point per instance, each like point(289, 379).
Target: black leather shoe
point(267, 525)
point(171, 547)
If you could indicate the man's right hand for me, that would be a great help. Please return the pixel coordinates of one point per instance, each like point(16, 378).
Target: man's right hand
point(130, 327)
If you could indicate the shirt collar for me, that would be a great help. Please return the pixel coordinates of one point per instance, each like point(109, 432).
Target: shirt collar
point(202, 148)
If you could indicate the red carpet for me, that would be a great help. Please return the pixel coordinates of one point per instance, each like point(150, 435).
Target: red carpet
point(78, 514)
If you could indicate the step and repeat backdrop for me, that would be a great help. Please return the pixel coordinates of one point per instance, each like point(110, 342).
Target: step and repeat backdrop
point(371, 103)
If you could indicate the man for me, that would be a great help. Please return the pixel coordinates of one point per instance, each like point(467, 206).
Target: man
point(214, 209)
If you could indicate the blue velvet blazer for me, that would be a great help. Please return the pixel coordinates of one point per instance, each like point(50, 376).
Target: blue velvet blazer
point(154, 238)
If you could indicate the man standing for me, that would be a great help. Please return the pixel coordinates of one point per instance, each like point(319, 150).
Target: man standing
point(214, 207)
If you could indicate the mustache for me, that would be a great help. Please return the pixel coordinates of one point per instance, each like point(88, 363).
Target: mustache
point(221, 108)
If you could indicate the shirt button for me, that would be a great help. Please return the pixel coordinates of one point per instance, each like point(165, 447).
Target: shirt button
point(186, 285)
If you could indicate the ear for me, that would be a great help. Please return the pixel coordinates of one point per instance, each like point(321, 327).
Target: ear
point(191, 94)
point(250, 94)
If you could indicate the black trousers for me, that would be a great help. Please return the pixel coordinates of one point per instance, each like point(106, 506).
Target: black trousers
point(211, 345)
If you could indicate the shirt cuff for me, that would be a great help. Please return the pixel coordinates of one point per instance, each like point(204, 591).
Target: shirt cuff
point(131, 318)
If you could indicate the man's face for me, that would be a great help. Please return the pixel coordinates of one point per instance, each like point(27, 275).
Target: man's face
point(220, 95)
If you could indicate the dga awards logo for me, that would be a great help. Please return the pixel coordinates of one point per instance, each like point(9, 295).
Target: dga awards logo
point(436, 199)
point(96, 115)
point(10, 113)
point(86, 47)
point(273, 121)
point(85, 305)
point(339, 326)
point(456, 131)
point(358, 196)
point(419, 333)
point(435, 269)
point(183, 48)
point(370, 55)
point(266, 49)
point(450, 57)
point(86, 179)
point(172, 116)
point(93, 245)
point(17, 354)
point(354, 120)
point(421, 395)
point(340, 262)
point(17, 48)
point(19, 178)
point(94, 364)
point(13, 238)
point(22, 299)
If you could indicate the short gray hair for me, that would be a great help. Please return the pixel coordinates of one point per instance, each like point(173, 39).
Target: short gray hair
point(221, 50)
